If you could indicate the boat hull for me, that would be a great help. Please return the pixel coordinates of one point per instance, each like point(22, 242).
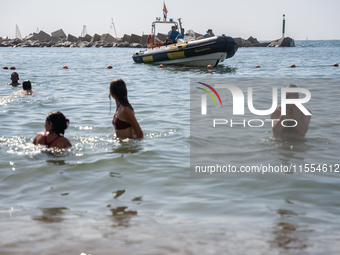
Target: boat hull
point(208, 51)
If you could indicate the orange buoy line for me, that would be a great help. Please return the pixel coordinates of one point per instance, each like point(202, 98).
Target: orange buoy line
point(12, 68)
point(109, 67)
point(5, 67)
point(257, 66)
point(209, 66)
point(292, 65)
point(335, 64)
point(161, 66)
point(65, 67)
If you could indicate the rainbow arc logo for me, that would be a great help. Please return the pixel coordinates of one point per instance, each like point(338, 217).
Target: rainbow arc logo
point(209, 93)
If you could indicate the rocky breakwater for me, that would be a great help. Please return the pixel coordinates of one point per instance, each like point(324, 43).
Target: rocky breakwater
point(59, 39)
point(253, 42)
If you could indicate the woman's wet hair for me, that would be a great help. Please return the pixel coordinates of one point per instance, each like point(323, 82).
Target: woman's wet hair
point(118, 89)
point(58, 121)
point(26, 85)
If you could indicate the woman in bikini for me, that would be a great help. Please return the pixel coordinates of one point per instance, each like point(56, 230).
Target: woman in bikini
point(55, 125)
point(124, 120)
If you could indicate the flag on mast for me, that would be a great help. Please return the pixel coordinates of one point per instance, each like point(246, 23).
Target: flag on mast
point(165, 12)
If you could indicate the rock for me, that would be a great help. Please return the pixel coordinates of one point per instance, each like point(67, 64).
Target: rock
point(44, 44)
point(126, 38)
point(135, 39)
point(86, 38)
point(107, 44)
point(41, 36)
point(16, 41)
point(66, 44)
point(59, 33)
point(54, 39)
point(265, 44)
point(107, 38)
point(282, 42)
point(82, 44)
point(35, 44)
point(136, 45)
point(144, 39)
point(96, 45)
point(72, 38)
point(242, 42)
point(123, 44)
point(30, 38)
point(95, 38)
point(27, 43)
point(7, 44)
point(253, 40)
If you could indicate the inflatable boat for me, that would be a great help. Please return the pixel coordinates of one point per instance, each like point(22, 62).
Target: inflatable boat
point(187, 52)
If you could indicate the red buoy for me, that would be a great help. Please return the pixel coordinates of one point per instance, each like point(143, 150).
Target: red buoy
point(161, 66)
point(110, 67)
point(257, 66)
point(209, 66)
point(65, 67)
point(5, 67)
point(292, 65)
point(335, 64)
point(12, 68)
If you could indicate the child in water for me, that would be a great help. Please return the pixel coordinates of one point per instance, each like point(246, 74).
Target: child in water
point(55, 126)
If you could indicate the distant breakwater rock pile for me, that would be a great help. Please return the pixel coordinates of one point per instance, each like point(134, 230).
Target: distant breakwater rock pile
point(59, 39)
point(253, 42)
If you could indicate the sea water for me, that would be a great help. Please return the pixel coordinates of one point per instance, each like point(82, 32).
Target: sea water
point(109, 196)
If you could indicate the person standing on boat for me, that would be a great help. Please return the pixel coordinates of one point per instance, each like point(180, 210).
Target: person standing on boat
point(207, 35)
point(15, 78)
point(172, 35)
point(294, 116)
point(181, 35)
point(124, 120)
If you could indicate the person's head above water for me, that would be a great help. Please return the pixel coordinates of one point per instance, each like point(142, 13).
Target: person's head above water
point(119, 92)
point(57, 122)
point(14, 76)
point(26, 85)
point(291, 95)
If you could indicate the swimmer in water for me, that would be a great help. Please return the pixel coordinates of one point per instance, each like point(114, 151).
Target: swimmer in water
point(26, 89)
point(292, 112)
point(55, 126)
point(15, 78)
point(124, 120)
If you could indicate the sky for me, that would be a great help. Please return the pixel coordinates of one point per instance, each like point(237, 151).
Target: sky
point(312, 19)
